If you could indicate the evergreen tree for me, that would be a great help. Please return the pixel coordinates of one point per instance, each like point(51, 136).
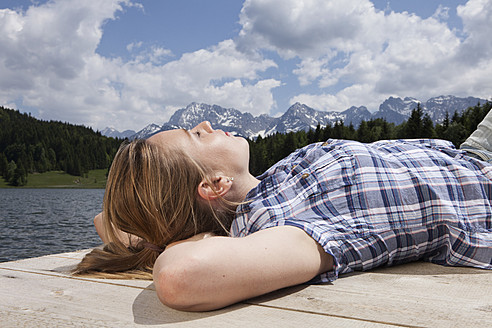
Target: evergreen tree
point(445, 122)
point(414, 125)
point(364, 133)
point(11, 168)
point(3, 165)
point(427, 127)
point(19, 177)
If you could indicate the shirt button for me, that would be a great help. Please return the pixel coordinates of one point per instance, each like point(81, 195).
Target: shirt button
point(324, 144)
point(305, 175)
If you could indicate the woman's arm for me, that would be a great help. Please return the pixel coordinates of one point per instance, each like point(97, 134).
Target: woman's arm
point(218, 271)
point(123, 236)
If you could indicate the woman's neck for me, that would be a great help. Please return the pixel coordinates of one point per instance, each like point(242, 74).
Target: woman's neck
point(243, 184)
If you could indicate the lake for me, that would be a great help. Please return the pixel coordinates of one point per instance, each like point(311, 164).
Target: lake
point(35, 222)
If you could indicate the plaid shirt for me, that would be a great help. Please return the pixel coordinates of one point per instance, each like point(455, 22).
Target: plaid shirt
point(383, 203)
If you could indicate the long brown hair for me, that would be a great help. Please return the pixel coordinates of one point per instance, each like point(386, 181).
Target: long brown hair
point(151, 193)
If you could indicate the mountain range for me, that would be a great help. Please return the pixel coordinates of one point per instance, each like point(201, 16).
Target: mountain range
point(298, 117)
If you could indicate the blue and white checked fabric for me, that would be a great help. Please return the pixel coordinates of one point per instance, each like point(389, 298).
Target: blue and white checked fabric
point(383, 203)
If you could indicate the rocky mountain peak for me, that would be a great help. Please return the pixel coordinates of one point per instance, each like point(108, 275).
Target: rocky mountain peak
point(302, 117)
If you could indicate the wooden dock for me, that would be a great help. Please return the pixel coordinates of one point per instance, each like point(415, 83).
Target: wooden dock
point(39, 292)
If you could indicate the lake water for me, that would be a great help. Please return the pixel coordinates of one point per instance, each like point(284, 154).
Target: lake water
point(35, 222)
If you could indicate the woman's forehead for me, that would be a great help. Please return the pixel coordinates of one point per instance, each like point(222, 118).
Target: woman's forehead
point(178, 138)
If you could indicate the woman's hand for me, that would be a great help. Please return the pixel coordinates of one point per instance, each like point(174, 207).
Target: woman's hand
point(201, 274)
point(124, 237)
point(99, 224)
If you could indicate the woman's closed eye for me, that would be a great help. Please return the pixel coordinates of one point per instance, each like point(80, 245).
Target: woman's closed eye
point(190, 132)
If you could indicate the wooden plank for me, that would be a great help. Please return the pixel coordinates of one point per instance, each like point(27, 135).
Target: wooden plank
point(39, 299)
point(417, 294)
point(61, 265)
point(39, 291)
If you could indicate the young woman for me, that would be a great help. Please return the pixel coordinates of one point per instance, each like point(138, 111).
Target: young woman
point(176, 203)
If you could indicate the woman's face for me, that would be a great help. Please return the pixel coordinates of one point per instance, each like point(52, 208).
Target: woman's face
point(216, 149)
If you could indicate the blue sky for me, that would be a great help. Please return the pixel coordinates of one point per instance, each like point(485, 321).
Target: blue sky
point(128, 63)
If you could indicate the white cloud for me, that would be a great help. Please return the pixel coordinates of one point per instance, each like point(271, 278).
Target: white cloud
point(345, 53)
point(441, 13)
point(304, 28)
point(219, 75)
point(347, 45)
point(155, 55)
point(355, 95)
point(44, 53)
point(477, 25)
point(134, 45)
point(48, 61)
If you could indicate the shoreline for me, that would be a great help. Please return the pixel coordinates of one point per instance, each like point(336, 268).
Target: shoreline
point(94, 179)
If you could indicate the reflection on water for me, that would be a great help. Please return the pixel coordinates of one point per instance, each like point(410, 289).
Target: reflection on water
point(35, 222)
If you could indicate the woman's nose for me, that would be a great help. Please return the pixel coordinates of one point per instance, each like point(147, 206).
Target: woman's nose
point(205, 125)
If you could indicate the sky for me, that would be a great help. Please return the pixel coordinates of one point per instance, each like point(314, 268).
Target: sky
point(129, 63)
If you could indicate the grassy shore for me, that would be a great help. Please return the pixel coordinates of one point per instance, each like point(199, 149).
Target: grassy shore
point(95, 179)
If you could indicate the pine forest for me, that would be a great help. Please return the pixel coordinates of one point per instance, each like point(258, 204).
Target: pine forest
point(29, 145)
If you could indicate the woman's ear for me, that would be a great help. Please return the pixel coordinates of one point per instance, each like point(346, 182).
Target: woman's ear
point(219, 188)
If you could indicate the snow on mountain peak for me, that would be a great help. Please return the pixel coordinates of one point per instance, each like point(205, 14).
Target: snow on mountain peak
point(302, 117)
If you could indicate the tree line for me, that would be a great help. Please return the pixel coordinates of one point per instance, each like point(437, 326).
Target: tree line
point(264, 152)
point(29, 145)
